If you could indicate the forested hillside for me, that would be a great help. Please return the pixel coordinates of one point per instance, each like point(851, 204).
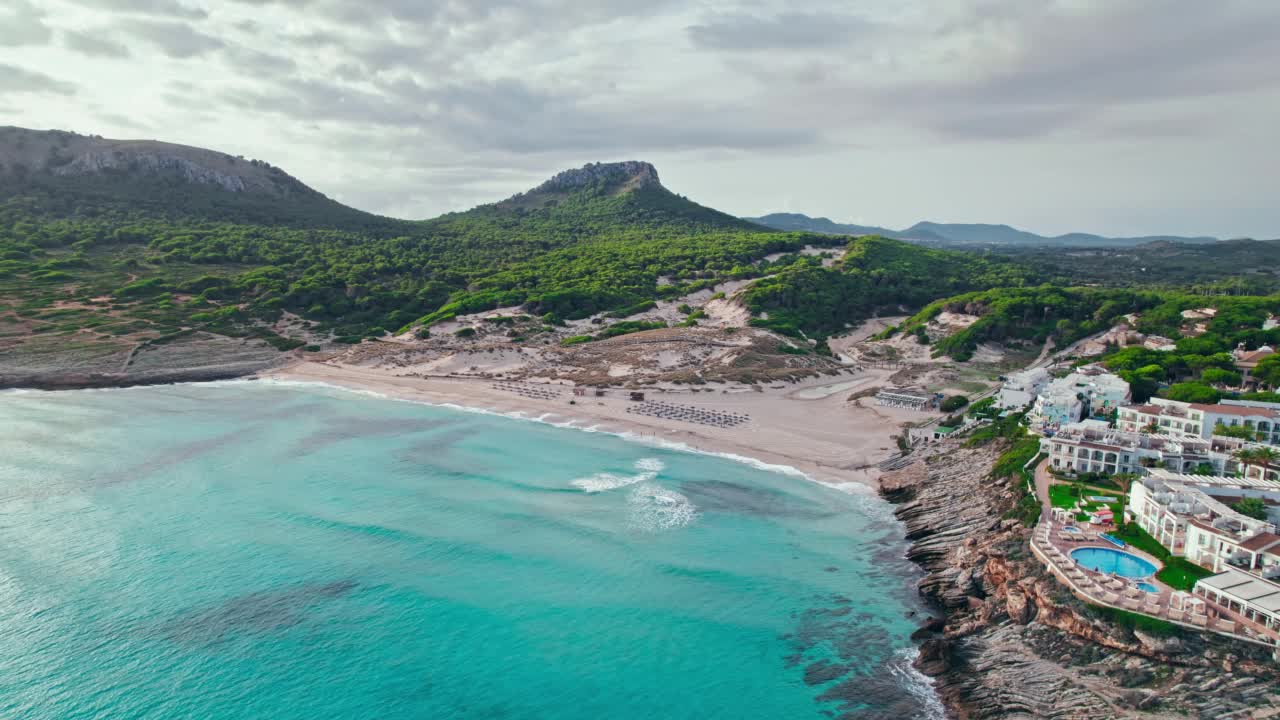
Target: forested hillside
point(107, 240)
point(876, 274)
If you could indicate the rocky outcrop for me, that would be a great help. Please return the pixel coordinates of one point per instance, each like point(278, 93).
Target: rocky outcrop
point(102, 161)
point(1014, 643)
point(630, 174)
point(71, 155)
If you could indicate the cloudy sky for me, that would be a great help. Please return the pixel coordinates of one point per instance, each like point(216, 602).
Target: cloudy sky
point(1115, 116)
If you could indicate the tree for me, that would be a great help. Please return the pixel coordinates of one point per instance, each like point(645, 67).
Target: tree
point(1268, 371)
point(954, 402)
point(1234, 431)
point(1218, 376)
point(1252, 507)
point(1260, 457)
point(1192, 392)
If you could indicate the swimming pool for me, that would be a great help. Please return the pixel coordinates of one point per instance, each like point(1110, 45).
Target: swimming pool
point(1107, 560)
point(1071, 529)
point(1148, 587)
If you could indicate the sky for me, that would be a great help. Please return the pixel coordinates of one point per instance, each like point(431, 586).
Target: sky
point(1121, 117)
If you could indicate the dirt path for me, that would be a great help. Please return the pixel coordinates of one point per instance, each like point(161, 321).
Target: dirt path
point(1043, 481)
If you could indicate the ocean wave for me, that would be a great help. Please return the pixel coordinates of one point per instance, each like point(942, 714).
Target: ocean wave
point(851, 488)
point(600, 482)
point(655, 509)
point(918, 685)
point(651, 465)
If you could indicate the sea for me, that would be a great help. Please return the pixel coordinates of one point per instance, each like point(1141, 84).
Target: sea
point(265, 550)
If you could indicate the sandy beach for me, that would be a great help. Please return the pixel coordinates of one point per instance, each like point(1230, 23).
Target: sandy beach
point(810, 426)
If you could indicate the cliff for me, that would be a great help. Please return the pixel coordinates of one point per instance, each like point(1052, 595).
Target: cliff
point(62, 154)
point(1013, 643)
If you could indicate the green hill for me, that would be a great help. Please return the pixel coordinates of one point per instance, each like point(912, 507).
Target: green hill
point(875, 274)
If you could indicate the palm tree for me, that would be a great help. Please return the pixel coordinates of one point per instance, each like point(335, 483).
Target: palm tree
point(1262, 457)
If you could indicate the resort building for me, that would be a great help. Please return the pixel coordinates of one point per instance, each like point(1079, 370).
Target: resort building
point(1190, 515)
point(1180, 418)
point(1020, 389)
point(1094, 446)
point(1162, 416)
point(1261, 417)
point(1090, 390)
point(906, 399)
point(1256, 599)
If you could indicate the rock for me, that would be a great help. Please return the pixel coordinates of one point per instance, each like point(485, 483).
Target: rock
point(1019, 607)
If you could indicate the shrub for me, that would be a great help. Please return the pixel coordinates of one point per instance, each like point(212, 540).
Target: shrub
point(465, 332)
point(954, 402)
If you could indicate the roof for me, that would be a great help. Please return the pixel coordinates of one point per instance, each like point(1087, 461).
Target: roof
point(1241, 410)
point(1146, 409)
point(1261, 541)
point(914, 394)
point(944, 429)
point(1255, 355)
point(1253, 590)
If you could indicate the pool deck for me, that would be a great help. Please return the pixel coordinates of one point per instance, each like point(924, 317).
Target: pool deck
point(1053, 547)
point(1052, 543)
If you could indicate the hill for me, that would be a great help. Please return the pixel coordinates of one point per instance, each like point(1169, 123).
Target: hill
point(60, 174)
point(109, 249)
point(961, 234)
point(1238, 266)
point(112, 245)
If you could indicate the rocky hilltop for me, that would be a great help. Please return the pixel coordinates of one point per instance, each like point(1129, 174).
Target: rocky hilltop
point(1013, 643)
point(61, 154)
point(629, 174)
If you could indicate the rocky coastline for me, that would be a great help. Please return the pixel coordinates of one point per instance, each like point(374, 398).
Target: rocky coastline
point(1011, 642)
point(91, 380)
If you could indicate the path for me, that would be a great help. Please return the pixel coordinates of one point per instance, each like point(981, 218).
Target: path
point(1043, 481)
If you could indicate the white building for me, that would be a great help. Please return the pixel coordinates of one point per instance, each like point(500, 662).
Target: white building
point(1089, 389)
point(1191, 516)
point(1020, 389)
point(1254, 598)
point(1094, 446)
point(907, 399)
point(1180, 418)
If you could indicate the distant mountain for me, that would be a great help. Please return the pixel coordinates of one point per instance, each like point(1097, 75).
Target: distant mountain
point(962, 234)
point(795, 222)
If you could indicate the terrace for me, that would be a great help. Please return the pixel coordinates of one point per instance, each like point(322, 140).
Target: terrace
point(1056, 537)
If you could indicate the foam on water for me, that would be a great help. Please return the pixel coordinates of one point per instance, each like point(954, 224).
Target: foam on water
point(655, 508)
point(603, 481)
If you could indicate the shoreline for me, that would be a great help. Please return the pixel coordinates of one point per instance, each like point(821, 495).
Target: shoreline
point(817, 434)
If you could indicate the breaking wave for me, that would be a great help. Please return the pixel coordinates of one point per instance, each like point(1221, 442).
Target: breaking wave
point(655, 508)
point(600, 482)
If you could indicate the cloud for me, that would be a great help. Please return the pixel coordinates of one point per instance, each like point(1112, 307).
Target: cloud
point(442, 96)
point(790, 30)
point(23, 24)
point(14, 79)
point(175, 39)
point(165, 8)
point(94, 44)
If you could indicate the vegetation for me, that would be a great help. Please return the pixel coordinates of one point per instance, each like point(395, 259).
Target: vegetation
point(1135, 621)
point(1181, 574)
point(807, 299)
point(954, 402)
point(1251, 507)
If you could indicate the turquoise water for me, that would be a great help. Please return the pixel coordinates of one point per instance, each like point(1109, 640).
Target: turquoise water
point(1148, 587)
point(254, 550)
point(1107, 560)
